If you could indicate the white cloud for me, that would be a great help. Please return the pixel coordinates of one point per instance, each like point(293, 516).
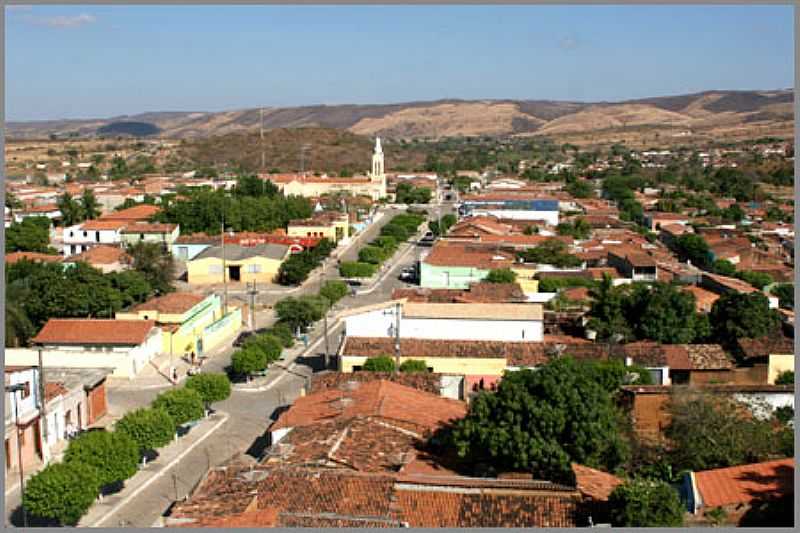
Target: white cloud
point(63, 21)
point(568, 43)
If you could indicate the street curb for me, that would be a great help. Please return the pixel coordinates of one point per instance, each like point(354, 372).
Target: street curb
point(161, 472)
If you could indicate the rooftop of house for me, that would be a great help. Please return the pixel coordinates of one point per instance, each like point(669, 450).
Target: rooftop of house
point(235, 252)
point(593, 483)
point(424, 381)
point(102, 254)
point(765, 346)
point(703, 297)
point(731, 283)
point(137, 212)
point(745, 483)
point(482, 292)
point(334, 497)
point(83, 331)
point(149, 227)
point(473, 311)
point(14, 257)
point(377, 346)
point(171, 303)
point(324, 218)
point(103, 225)
point(449, 253)
point(380, 399)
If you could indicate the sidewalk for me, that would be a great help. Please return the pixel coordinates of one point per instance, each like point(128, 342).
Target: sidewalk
point(169, 456)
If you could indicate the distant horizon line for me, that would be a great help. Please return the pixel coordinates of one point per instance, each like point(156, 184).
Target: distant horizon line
point(402, 102)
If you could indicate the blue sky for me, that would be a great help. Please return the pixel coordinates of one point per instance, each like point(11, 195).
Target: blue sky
point(102, 61)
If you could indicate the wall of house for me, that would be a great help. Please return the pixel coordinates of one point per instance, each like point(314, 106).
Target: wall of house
point(222, 330)
point(25, 406)
point(97, 402)
point(704, 377)
point(187, 252)
point(779, 363)
point(526, 281)
point(75, 235)
point(550, 217)
point(462, 366)
point(449, 277)
point(28, 435)
point(200, 271)
point(754, 375)
point(168, 238)
point(650, 416)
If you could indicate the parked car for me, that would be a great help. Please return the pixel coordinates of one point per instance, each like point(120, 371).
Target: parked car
point(408, 274)
point(353, 282)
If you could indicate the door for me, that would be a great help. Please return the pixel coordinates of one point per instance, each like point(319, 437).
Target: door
point(37, 439)
point(235, 273)
point(8, 456)
point(80, 425)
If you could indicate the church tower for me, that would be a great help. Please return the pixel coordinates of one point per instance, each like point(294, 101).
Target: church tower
point(377, 167)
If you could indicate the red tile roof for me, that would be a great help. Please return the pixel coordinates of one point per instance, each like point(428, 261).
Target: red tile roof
point(149, 227)
point(424, 381)
point(449, 253)
point(102, 254)
point(171, 303)
point(53, 389)
point(137, 212)
point(94, 331)
point(32, 256)
point(745, 483)
point(103, 225)
point(765, 346)
point(595, 484)
point(377, 346)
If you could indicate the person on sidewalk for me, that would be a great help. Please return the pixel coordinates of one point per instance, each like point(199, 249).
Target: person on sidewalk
point(174, 375)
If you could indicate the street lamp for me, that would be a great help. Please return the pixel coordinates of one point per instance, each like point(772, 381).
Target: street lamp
point(19, 387)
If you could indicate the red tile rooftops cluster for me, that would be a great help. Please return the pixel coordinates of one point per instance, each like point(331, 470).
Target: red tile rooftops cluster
point(745, 483)
point(102, 255)
point(149, 227)
point(104, 225)
point(88, 331)
point(732, 283)
point(593, 483)
point(137, 212)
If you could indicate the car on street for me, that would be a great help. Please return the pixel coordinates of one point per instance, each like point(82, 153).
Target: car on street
point(408, 274)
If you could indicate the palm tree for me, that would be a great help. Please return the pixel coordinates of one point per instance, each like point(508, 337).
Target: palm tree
point(89, 205)
point(19, 327)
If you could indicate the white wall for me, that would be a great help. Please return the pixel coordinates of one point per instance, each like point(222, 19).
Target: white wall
point(763, 403)
point(106, 237)
point(278, 434)
point(27, 406)
point(378, 324)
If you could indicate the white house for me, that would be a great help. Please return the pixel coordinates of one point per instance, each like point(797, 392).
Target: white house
point(79, 238)
point(23, 430)
point(446, 321)
point(127, 346)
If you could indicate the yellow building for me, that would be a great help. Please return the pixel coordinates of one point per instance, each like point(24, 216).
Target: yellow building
point(189, 322)
point(778, 364)
point(331, 225)
point(242, 264)
point(525, 279)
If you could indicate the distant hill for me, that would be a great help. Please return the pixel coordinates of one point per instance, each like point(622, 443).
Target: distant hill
point(133, 129)
point(709, 111)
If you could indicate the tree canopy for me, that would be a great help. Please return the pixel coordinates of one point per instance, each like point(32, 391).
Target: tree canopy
point(735, 316)
point(30, 235)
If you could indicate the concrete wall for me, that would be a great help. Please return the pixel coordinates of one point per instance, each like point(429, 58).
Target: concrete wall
point(449, 277)
point(222, 330)
point(462, 366)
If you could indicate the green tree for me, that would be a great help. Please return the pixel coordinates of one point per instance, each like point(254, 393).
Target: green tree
point(90, 207)
point(183, 405)
point(212, 387)
point(759, 280)
point(383, 363)
point(785, 378)
point(114, 455)
point(298, 313)
point(412, 366)
point(283, 333)
point(724, 267)
point(501, 275)
point(661, 312)
point(248, 361)
point(784, 292)
point(606, 315)
point(645, 503)
point(580, 189)
point(156, 265)
point(371, 254)
point(735, 316)
point(62, 492)
point(541, 421)
point(334, 290)
point(150, 428)
point(30, 235)
point(551, 252)
point(613, 374)
point(580, 229)
point(352, 269)
point(694, 248)
point(707, 432)
point(270, 345)
point(71, 211)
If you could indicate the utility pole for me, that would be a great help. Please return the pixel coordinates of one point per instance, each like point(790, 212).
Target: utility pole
point(397, 337)
point(224, 273)
point(252, 292)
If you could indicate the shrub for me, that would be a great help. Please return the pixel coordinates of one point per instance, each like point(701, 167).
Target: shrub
point(62, 492)
point(334, 290)
point(183, 405)
point(351, 269)
point(413, 365)
point(759, 280)
point(270, 345)
point(645, 503)
point(248, 360)
point(114, 455)
point(149, 428)
point(299, 313)
point(724, 267)
point(282, 331)
point(212, 387)
point(371, 254)
point(383, 363)
point(553, 284)
point(386, 242)
point(501, 275)
point(395, 230)
point(785, 378)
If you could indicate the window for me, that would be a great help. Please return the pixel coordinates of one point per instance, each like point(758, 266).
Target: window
point(71, 233)
point(253, 269)
point(97, 236)
point(141, 236)
point(85, 233)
